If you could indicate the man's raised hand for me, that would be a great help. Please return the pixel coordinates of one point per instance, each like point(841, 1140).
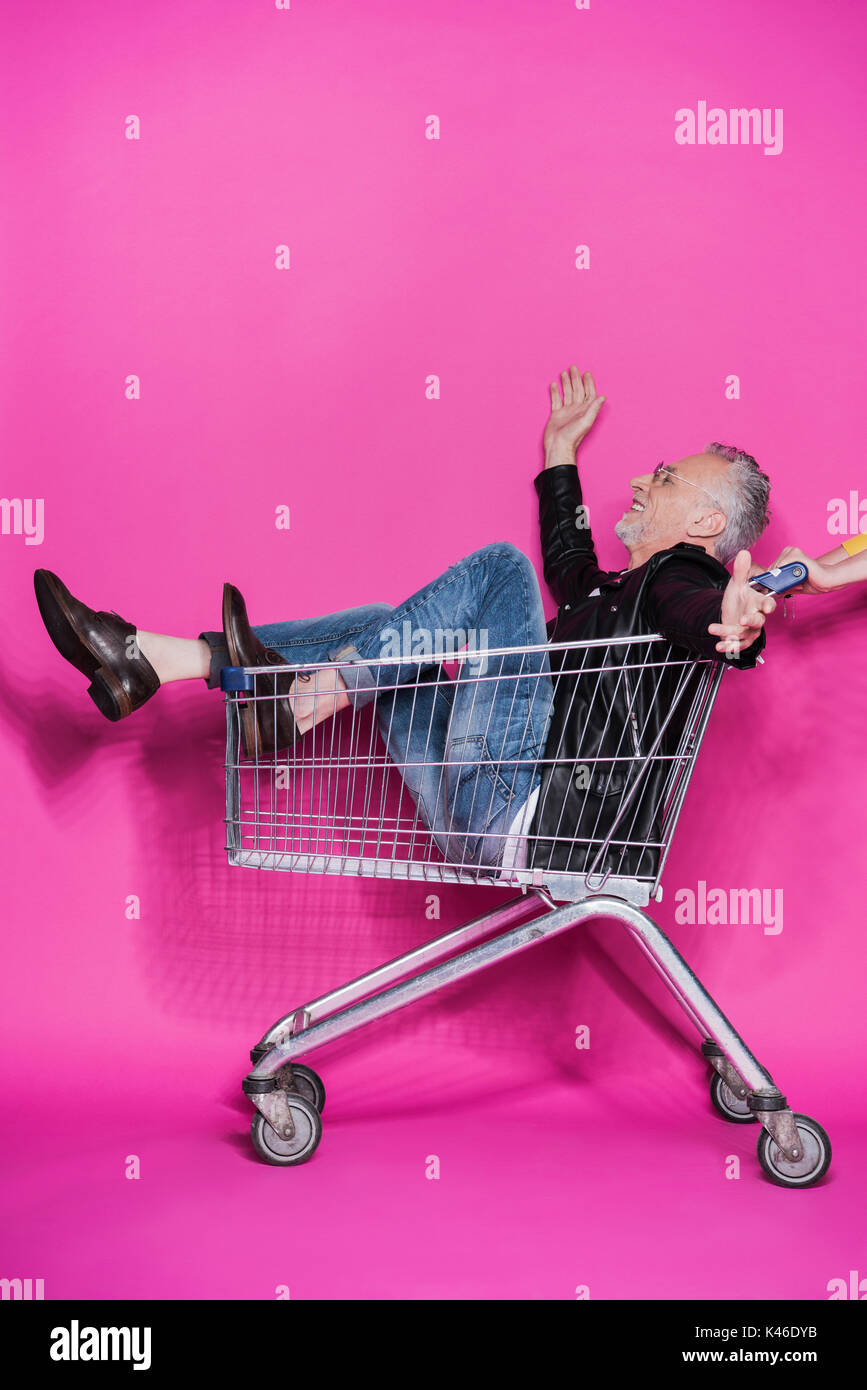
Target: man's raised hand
point(572, 415)
point(743, 610)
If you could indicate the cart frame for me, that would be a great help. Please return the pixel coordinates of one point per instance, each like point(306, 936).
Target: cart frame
point(793, 1150)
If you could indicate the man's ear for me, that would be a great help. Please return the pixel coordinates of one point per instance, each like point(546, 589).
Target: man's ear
point(707, 527)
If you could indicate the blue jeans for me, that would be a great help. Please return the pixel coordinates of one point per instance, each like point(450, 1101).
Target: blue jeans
point(467, 747)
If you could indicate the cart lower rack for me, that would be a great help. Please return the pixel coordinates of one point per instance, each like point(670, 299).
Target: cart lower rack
point(437, 773)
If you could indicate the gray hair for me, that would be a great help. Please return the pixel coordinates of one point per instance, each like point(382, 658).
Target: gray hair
point(743, 493)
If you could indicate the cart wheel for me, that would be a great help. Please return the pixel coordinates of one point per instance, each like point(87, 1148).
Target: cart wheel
point(812, 1164)
point(730, 1106)
point(284, 1153)
point(302, 1081)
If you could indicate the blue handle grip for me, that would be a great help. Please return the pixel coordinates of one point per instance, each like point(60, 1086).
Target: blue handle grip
point(779, 581)
point(236, 678)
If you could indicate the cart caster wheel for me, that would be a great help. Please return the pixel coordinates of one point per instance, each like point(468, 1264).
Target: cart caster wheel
point(284, 1153)
point(304, 1082)
point(806, 1170)
point(730, 1106)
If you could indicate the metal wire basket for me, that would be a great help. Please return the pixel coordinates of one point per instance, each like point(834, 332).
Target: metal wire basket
point(340, 799)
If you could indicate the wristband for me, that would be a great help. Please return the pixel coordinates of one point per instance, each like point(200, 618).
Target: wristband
point(855, 544)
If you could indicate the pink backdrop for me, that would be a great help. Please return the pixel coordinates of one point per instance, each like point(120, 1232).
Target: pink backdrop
point(306, 387)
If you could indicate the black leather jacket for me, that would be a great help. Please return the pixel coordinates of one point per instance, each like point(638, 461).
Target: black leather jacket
point(615, 712)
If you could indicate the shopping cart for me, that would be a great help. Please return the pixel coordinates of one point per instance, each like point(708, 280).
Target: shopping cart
point(343, 800)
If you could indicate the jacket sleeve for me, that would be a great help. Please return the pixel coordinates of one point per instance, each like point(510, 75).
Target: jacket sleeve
point(568, 557)
point(681, 600)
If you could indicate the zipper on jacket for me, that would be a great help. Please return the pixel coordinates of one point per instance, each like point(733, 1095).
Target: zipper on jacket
point(635, 732)
point(633, 722)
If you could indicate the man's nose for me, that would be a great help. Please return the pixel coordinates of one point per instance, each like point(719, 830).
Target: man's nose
point(641, 481)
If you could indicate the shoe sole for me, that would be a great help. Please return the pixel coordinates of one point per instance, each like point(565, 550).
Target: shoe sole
point(105, 689)
point(249, 725)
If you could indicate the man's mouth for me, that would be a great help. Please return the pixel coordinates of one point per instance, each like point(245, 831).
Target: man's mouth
point(636, 506)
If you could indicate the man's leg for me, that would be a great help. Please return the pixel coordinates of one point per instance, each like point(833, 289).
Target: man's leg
point(307, 641)
point(174, 658)
point(468, 749)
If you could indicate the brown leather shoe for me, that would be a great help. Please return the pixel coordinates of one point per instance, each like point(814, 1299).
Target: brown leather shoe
point(100, 645)
point(267, 725)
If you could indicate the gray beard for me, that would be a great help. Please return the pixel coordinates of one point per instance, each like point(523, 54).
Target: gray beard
point(630, 530)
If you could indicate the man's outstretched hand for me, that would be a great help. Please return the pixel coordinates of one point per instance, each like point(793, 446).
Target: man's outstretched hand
point(743, 610)
point(571, 417)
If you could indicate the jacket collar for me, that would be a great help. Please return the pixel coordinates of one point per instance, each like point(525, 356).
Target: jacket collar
point(686, 548)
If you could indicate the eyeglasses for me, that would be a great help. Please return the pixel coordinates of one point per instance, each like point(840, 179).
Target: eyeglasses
point(661, 468)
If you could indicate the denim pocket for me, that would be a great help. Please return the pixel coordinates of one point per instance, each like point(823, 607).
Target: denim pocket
point(476, 792)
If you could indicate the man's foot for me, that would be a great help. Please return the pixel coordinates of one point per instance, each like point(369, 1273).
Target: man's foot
point(316, 696)
point(100, 645)
point(267, 725)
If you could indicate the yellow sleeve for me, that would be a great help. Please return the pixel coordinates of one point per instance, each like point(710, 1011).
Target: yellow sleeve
point(855, 544)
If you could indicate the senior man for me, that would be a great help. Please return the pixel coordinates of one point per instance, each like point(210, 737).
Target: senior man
point(471, 749)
